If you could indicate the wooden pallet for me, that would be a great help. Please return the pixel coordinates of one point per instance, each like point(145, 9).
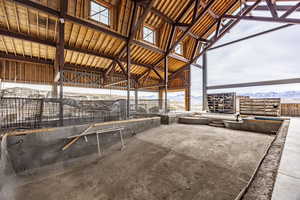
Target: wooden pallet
point(221, 102)
point(260, 106)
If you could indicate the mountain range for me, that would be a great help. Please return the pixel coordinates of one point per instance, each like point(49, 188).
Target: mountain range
point(282, 95)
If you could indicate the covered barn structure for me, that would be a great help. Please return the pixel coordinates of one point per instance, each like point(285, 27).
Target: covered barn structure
point(136, 46)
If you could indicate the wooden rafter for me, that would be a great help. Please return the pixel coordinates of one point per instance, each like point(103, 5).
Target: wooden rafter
point(38, 21)
point(229, 26)
point(26, 59)
point(185, 33)
point(85, 23)
point(67, 47)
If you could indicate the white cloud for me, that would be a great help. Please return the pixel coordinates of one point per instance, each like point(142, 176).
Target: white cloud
point(267, 57)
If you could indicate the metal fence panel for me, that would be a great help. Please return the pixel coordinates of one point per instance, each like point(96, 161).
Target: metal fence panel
point(29, 113)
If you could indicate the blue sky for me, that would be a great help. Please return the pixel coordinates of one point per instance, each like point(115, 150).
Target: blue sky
point(267, 57)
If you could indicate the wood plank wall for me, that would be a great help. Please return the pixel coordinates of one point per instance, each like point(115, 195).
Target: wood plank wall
point(290, 109)
point(260, 106)
point(11, 71)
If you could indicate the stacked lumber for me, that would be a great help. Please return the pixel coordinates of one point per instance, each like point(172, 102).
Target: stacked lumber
point(290, 109)
point(260, 106)
point(221, 102)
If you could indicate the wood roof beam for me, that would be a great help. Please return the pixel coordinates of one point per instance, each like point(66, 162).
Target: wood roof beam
point(146, 78)
point(214, 15)
point(162, 16)
point(178, 24)
point(85, 51)
point(178, 57)
point(202, 13)
point(110, 69)
point(122, 67)
point(115, 83)
point(37, 6)
point(99, 54)
point(134, 27)
point(172, 22)
point(196, 8)
point(182, 36)
point(228, 27)
point(96, 27)
point(151, 86)
point(67, 47)
point(69, 66)
point(20, 36)
point(55, 13)
point(141, 19)
point(215, 23)
point(145, 73)
point(86, 23)
point(27, 59)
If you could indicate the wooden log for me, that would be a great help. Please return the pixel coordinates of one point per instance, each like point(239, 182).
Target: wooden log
point(77, 138)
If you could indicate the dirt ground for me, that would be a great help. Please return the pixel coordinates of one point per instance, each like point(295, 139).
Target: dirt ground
point(176, 162)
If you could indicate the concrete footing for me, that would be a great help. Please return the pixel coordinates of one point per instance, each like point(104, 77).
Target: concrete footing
point(43, 148)
point(171, 118)
point(194, 120)
point(261, 126)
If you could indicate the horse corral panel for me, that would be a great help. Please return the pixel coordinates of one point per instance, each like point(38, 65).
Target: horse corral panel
point(290, 109)
point(260, 106)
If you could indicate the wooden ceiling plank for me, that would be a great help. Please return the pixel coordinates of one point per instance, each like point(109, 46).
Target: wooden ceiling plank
point(5, 47)
point(24, 59)
point(5, 14)
point(17, 17)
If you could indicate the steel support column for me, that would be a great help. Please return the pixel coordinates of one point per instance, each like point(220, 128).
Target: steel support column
point(166, 82)
point(61, 59)
point(204, 81)
point(56, 74)
point(128, 80)
point(160, 97)
point(136, 98)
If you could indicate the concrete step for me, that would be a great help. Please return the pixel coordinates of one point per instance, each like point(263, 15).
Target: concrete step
point(217, 123)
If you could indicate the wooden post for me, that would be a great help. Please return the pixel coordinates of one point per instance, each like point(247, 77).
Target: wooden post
point(204, 81)
point(160, 97)
point(56, 74)
point(187, 91)
point(166, 82)
point(61, 56)
point(187, 101)
point(136, 98)
point(128, 80)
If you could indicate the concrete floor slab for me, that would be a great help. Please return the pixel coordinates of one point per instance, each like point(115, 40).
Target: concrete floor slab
point(288, 178)
point(292, 146)
point(290, 163)
point(286, 187)
point(170, 162)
